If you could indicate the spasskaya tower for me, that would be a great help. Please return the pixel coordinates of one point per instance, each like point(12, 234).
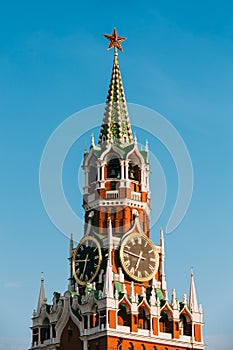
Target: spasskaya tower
point(117, 296)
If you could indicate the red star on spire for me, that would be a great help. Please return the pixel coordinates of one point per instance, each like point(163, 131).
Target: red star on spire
point(115, 40)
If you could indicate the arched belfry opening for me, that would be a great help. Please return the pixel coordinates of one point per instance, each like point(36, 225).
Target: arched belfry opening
point(114, 168)
point(45, 330)
point(134, 168)
point(165, 324)
point(143, 318)
point(123, 315)
point(185, 325)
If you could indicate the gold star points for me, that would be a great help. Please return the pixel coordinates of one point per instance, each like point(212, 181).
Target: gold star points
point(115, 40)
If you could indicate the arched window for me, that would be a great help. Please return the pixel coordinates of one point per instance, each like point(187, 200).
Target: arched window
point(165, 324)
point(45, 330)
point(134, 170)
point(53, 331)
point(102, 318)
point(35, 336)
point(123, 316)
point(114, 169)
point(186, 328)
point(85, 321)
point(94, 317)
point(143, 319)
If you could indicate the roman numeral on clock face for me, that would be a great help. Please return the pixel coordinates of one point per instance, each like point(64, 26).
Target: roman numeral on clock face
point(132, 270)
point(133, 241)
point(127, 263)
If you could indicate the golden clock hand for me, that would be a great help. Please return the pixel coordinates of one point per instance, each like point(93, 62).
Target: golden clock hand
point(139, 259)
point(81, 260)
point(133, 254)
point(85, 264)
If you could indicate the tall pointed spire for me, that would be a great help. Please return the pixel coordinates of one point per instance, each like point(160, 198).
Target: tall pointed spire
point(116, 123)
point(41, 298)
point(193, 304)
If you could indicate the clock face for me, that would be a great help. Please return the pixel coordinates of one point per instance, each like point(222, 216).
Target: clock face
point(86, 260)
point(139, 257)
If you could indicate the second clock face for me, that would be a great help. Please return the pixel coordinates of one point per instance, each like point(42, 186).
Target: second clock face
point(139, 257)
point(86, 260)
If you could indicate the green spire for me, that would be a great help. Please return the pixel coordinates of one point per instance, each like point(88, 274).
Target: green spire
point(116, 126)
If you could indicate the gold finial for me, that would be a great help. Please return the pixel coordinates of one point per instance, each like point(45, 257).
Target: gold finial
point(115, 40)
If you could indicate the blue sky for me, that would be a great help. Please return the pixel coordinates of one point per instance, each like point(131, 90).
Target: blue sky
point(177, 60)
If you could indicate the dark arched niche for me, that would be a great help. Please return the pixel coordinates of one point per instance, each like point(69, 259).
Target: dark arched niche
point(70, 337)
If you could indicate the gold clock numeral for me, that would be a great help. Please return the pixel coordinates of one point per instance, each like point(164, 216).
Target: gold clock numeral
point(132, 270)
point(127, 263)
point(133, 242)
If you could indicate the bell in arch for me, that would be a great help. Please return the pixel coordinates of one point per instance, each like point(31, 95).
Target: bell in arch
point(112, 172)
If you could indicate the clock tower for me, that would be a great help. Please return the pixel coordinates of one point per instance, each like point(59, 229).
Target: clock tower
point(117, 295)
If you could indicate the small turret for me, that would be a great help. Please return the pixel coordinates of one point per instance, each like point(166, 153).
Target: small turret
point(193, 304)
point(41, 299)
